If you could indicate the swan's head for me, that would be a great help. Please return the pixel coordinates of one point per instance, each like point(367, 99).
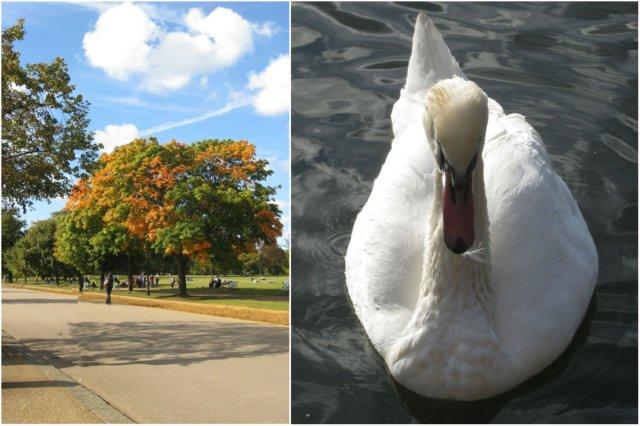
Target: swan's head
point(455, 121)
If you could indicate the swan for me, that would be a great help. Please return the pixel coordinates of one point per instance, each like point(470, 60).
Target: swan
point(470, 266)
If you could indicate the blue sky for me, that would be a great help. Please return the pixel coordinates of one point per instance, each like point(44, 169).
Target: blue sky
point(184, 71)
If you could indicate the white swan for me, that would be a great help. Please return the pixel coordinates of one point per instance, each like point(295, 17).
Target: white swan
point(462, 176)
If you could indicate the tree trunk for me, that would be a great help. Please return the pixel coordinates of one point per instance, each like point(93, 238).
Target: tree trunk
point(57, 280)
point(10, 276)
point(80, 282)
point(25, 279)
point(102, 274)
point(130, 272)
point(183, 262)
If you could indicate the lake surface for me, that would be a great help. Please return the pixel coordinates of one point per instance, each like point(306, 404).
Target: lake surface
point(571, 69)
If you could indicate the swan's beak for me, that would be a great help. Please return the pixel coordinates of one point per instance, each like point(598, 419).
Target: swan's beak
point(457, 212)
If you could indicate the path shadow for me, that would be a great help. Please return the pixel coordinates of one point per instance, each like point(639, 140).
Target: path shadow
point(38, 384)
point(160, 343)
point(43, 301)
point(431, 410)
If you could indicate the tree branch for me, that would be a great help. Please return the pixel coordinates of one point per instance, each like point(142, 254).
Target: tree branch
point(20, 154)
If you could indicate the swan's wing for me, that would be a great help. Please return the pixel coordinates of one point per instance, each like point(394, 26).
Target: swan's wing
point(431, 61)
point(545, 263)
point(384, 258)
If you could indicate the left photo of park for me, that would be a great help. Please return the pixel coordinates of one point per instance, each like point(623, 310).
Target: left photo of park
point(145, 212)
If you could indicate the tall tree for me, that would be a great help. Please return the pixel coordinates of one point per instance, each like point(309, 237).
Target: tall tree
point(219, 206)
point(191, 202)
point(17, 261)
point(12, 231)
point(34, 252)
point(45, 143)
point(273, 259)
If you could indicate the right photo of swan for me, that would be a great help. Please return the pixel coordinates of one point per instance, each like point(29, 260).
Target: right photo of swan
point(464, 212)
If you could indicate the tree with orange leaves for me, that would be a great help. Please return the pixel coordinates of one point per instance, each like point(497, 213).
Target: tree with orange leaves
point(201, 201)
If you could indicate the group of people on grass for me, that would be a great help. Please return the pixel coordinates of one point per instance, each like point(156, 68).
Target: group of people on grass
point(215, 282)
point(144, 281)
point(140, 281)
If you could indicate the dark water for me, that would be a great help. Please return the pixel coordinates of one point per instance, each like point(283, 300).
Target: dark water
point(572, 70)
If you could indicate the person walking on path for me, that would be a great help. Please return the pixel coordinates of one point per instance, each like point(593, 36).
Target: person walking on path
point(109, 286)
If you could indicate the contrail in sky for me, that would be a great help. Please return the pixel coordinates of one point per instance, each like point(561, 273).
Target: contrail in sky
point(230, 106)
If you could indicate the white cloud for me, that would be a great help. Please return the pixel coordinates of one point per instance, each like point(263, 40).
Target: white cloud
point(268, 29)
point(126, 41)
point(120, 41)
point(232, 35)
point(160, 12)
point(177, 58)
point(273, 87)
point(113, 136)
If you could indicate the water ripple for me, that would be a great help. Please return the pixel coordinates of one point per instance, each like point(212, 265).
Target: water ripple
point(571, 69)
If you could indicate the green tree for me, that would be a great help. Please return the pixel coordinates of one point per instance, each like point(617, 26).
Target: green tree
point(251, 263)
point(45, 143)
point(17, 261)
point(273, 260)
point(204, 202)
point(219, 205)
point(34, 252)
point(12, 231)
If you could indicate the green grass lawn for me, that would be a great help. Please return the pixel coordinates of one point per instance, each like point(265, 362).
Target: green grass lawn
point(262, 294)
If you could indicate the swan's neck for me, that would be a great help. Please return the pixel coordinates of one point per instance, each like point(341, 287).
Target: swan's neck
point(459, 282)
point(451, 342)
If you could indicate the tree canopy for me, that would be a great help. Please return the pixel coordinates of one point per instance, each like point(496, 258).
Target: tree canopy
point(45, 143)
point(269, 259)
point(33, 254)
point(12, 227)
point(204, 201)
point(12, 231)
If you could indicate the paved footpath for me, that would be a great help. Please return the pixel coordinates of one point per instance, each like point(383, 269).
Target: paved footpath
point(156, 365)
point(30, 396)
